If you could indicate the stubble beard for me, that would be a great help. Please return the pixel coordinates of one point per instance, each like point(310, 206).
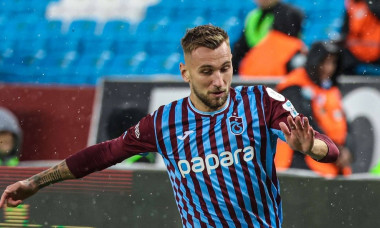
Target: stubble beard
point(213, 103)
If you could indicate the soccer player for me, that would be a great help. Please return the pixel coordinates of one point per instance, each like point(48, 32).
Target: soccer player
point(218, 144)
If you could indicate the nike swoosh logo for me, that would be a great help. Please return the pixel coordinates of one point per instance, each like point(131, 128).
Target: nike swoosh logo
point(185, 134)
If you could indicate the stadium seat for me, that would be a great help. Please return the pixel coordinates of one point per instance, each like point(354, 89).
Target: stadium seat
point(125, 65)
point(159, 13)
point(82, 28)
point(49, 28)
point(220, 16)
point(20, 28)
point(30, 47)
point(62, 44)
point(6, 48)
point(90, 66)
point(94, 46)
point(128, 47)
point(35, 7)
point(162, 47)
point(189, 14)
point(20, 65)
point(115, 30)
point(57, 65)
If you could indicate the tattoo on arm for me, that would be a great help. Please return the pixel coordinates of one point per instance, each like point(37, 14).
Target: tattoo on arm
point(52, 175)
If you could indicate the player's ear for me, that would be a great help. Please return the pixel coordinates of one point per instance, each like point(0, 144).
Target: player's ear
point(184, 72)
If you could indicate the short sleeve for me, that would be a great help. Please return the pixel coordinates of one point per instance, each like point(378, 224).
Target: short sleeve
point(277, 109)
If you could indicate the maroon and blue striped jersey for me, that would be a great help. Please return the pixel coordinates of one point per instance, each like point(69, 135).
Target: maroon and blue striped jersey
point(220, 164)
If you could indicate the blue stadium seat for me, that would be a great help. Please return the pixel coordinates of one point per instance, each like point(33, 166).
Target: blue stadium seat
point(190, 13)
point(62, 44)
point(57, 65)
point(162, 47)
point(125, 65)
point(159, 13)
point(115, 30)
point(90, 66)
point(6, 48)
point(30, 48)
point(49, 29)
point(82, 28)
point(94, 46)
point(220, 16)
point(162, 64)
point(20, 65)
point(36, 7)
point(20, 28)
point(128, 47)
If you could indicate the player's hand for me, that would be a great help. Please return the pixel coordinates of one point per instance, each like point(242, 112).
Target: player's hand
point(14, 194)
point(300, 136)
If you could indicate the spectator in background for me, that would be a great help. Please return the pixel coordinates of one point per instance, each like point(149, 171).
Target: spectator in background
point(361, 37)
point(10, 138)
point(269, 44)
point(315, 93)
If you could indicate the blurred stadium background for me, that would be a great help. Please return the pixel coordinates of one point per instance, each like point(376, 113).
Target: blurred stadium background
point(54, 57)
point(75, 42)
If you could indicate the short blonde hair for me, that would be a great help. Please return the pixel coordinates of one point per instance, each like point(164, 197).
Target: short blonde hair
point(208, 36)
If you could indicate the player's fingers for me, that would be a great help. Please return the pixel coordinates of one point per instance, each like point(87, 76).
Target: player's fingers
point(3, 198)
point(311, 131)
point(291, 123)
point(13, 203)
point(284, 128)
point(298, 122)
point(306, 123)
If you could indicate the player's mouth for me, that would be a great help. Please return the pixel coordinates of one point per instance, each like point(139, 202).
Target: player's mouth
point(218, 93)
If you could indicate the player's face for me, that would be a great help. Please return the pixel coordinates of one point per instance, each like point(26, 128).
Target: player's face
point(6, 142)
point(209, 74)
point(265, 3)
point(328, 67)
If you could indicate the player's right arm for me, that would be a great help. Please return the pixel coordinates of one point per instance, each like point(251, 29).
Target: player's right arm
point(138, 139)
point(14, 194)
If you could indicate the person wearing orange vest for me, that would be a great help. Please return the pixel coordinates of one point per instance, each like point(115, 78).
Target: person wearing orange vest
point(361, 37)
point(269, 44)
point(314, 92)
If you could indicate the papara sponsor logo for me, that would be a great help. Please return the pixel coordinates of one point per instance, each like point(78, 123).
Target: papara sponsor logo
point(212, 161)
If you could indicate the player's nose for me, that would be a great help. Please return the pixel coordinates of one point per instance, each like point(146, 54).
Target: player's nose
point(218, 79)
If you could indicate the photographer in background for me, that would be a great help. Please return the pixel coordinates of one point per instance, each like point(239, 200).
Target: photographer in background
point(10, 138)
point(315, 93)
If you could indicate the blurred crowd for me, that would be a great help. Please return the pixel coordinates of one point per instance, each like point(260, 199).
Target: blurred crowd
point(271, 45)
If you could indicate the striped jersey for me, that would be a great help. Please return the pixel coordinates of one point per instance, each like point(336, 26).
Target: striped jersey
point(220, 164)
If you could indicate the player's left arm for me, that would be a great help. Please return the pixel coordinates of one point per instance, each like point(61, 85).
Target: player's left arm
point(296, 130)
point(301, 137)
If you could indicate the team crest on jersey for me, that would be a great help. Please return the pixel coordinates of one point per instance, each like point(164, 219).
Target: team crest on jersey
point(236, 125)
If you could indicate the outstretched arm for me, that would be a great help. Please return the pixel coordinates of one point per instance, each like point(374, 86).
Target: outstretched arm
point(85, 162)
point(14, 194)
point(302, 137)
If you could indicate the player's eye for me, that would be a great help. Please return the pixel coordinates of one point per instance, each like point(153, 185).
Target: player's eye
point(206, 72)
point(225, 69)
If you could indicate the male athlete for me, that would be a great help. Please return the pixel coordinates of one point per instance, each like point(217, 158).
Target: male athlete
point(218, 144)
